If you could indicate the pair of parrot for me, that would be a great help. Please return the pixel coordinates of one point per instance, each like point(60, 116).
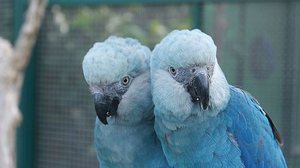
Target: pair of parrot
point(173, 107)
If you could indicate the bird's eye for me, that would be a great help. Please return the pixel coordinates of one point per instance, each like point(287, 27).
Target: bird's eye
point(172, 71)
point(125, 80)
point(209, 67)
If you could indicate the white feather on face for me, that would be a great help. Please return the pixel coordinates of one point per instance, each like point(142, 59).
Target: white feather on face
point(171, 95)
point(108, 62)
point(182, 49)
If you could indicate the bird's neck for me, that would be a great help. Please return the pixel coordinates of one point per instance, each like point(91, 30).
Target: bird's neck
point(127, 146)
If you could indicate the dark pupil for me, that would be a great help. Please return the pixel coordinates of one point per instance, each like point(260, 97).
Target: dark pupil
point(172, 70)
point(125, 80)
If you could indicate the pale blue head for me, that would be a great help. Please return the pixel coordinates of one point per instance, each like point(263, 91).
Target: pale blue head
point(186, 77)
point(117, 72)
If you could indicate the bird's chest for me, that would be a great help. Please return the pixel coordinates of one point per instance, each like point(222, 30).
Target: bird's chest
point(206, 144)
point(125, 147)
point(111, 145)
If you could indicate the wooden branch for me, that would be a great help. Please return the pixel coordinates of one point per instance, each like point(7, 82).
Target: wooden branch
point(12, 64)
point(28, 35)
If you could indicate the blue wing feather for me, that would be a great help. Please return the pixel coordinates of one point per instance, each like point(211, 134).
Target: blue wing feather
point(252, 131)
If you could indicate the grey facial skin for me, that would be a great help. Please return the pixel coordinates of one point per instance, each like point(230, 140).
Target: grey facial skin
point(107, 98)
point(195, 80)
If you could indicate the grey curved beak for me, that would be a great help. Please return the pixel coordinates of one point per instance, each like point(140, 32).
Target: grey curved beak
point(198, 88)
point(105, 106)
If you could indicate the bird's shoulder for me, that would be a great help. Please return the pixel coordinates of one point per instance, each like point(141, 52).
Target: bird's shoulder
point(243, 104)
point(243, 108)
point(253, 130)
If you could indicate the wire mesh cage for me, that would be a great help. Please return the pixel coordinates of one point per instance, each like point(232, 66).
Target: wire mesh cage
point(64, 110)
point(6, 19)
point(258, 50)
point(250, 52)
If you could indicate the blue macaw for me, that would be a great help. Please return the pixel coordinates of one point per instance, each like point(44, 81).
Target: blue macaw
point(200, 119)
point(118, 74)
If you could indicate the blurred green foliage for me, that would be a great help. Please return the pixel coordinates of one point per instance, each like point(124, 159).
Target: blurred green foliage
point(126, 21)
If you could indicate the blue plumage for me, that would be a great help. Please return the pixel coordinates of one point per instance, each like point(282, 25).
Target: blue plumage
point(117, 71)
point(200, 119)
point(206, 144)
point(251, 128)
